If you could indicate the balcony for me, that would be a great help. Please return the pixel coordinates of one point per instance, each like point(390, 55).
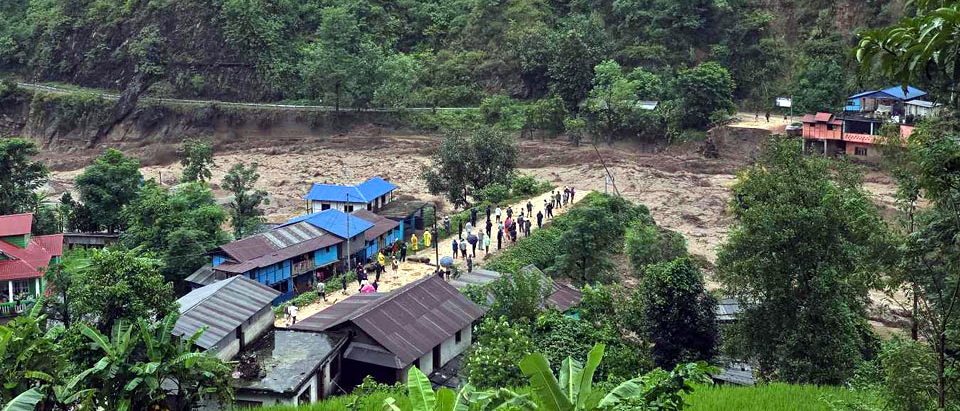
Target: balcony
point(302, 267)
point(10, 309)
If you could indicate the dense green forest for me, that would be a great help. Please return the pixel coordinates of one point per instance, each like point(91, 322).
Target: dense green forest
point(374, 53)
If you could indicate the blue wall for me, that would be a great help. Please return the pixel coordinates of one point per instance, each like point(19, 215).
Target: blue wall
point(372, 247)
point(325, 255)
point(217, 260)
point(274, 274)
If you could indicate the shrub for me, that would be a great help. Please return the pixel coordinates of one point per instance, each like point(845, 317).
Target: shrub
point(494, 193)
point(647, 244)
point(525, 186)
point(500, 347)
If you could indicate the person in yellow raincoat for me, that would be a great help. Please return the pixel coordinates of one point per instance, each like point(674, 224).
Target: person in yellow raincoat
point(414, 245)
point(381, 259)
point(426, 239)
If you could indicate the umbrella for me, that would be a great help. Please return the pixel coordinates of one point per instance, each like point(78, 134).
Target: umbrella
point(472, 239)
point(446, 261)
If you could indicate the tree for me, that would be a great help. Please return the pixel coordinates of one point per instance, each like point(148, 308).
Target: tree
point(803, 253)
point(19, 175)
point(465, 164)
point(614, 101)
point(647, 244)
point(500, 346)
point(519, 296)
point(44, 216)
point(820, 87)
point(107, 186)
point(179, 226)
point(59, 279)
point(705, 92)
point(139, 362)
point(118, 285)
point(399, 73)
point(678, 313)
point(196, 157)
point(924, 265)
point(246, 216)
point(27, 354)
point(588, 241)
point(918, 48)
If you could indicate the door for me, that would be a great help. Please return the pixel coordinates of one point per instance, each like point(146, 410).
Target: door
point(436, 358)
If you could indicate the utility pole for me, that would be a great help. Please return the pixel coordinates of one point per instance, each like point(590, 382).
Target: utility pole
point(349, 256)
point(436, 245)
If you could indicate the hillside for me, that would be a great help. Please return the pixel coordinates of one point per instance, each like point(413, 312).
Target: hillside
point(362, 53)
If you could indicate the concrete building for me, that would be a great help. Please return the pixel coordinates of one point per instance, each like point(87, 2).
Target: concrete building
point(235, 311)
point(288, 367)
point(851, 135)
point(369, 195)
point(424, 324)
point(23, 257)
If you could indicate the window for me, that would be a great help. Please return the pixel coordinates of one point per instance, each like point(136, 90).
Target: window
point(324, 206)
point(457, 337)
point(859, 151)
point(829, 126)
point(348, 208)
point(21, 287)
point(416, 363)
point(369, 206)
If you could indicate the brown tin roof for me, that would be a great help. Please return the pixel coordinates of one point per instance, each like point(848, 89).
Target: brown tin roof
point(408, 322)
point(381, 224)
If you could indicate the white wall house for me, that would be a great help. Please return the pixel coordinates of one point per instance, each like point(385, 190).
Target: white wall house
point(369, 195)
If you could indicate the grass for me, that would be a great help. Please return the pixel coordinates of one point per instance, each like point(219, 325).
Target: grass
point(771, 397)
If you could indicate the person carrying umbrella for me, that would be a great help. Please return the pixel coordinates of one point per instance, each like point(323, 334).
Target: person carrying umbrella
point(472, 239)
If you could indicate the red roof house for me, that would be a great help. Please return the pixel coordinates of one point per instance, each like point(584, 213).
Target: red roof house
point(24, 256)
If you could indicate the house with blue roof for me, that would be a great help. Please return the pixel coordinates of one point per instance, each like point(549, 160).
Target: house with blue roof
point(291, 257)
point(888, 101)
point(369, 195)
point(376, 195)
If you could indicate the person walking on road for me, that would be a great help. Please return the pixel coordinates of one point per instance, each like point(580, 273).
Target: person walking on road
point(489, 226)
point(321, 290)
point(480, 237)
point(460, 228)
point(509, 211)
point(396, 265)
point(414, 243)
point(446, 224)
point(343, 279)
point(572, 192)
point(526, 228)
point(463, 248)
point(498, 213)
point(529, 208)
point(455, 248)
point(486, 244)
point(469, 264)
point(473, 216)
point(403, 251)
point(539, 219)
point(550, 210)
point(426, 239)
point(499, 241)
point(488, 212)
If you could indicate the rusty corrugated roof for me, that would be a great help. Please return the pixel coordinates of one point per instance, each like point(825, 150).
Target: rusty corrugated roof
point(409, 321)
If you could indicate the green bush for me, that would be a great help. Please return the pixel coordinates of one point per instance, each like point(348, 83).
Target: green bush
point(500, 347)
point(495, 193)
point(526, 185)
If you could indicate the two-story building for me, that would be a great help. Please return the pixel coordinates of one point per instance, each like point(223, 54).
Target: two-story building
point(850, 134)
point(384, 232)
point(289, 257)
point(369, 195)
point(23, 257)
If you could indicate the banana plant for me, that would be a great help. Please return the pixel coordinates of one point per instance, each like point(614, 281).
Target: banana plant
point(26, 401)
point(423, 398)
point(573, 390)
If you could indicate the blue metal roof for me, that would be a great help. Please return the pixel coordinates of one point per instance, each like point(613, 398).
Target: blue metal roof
point(362, 193)
point(335, 222)
point(895, 92)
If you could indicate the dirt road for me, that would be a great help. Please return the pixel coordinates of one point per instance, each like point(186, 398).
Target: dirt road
point(409, 271)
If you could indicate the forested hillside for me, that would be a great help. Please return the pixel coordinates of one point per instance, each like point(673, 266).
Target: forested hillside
point(363, 53)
